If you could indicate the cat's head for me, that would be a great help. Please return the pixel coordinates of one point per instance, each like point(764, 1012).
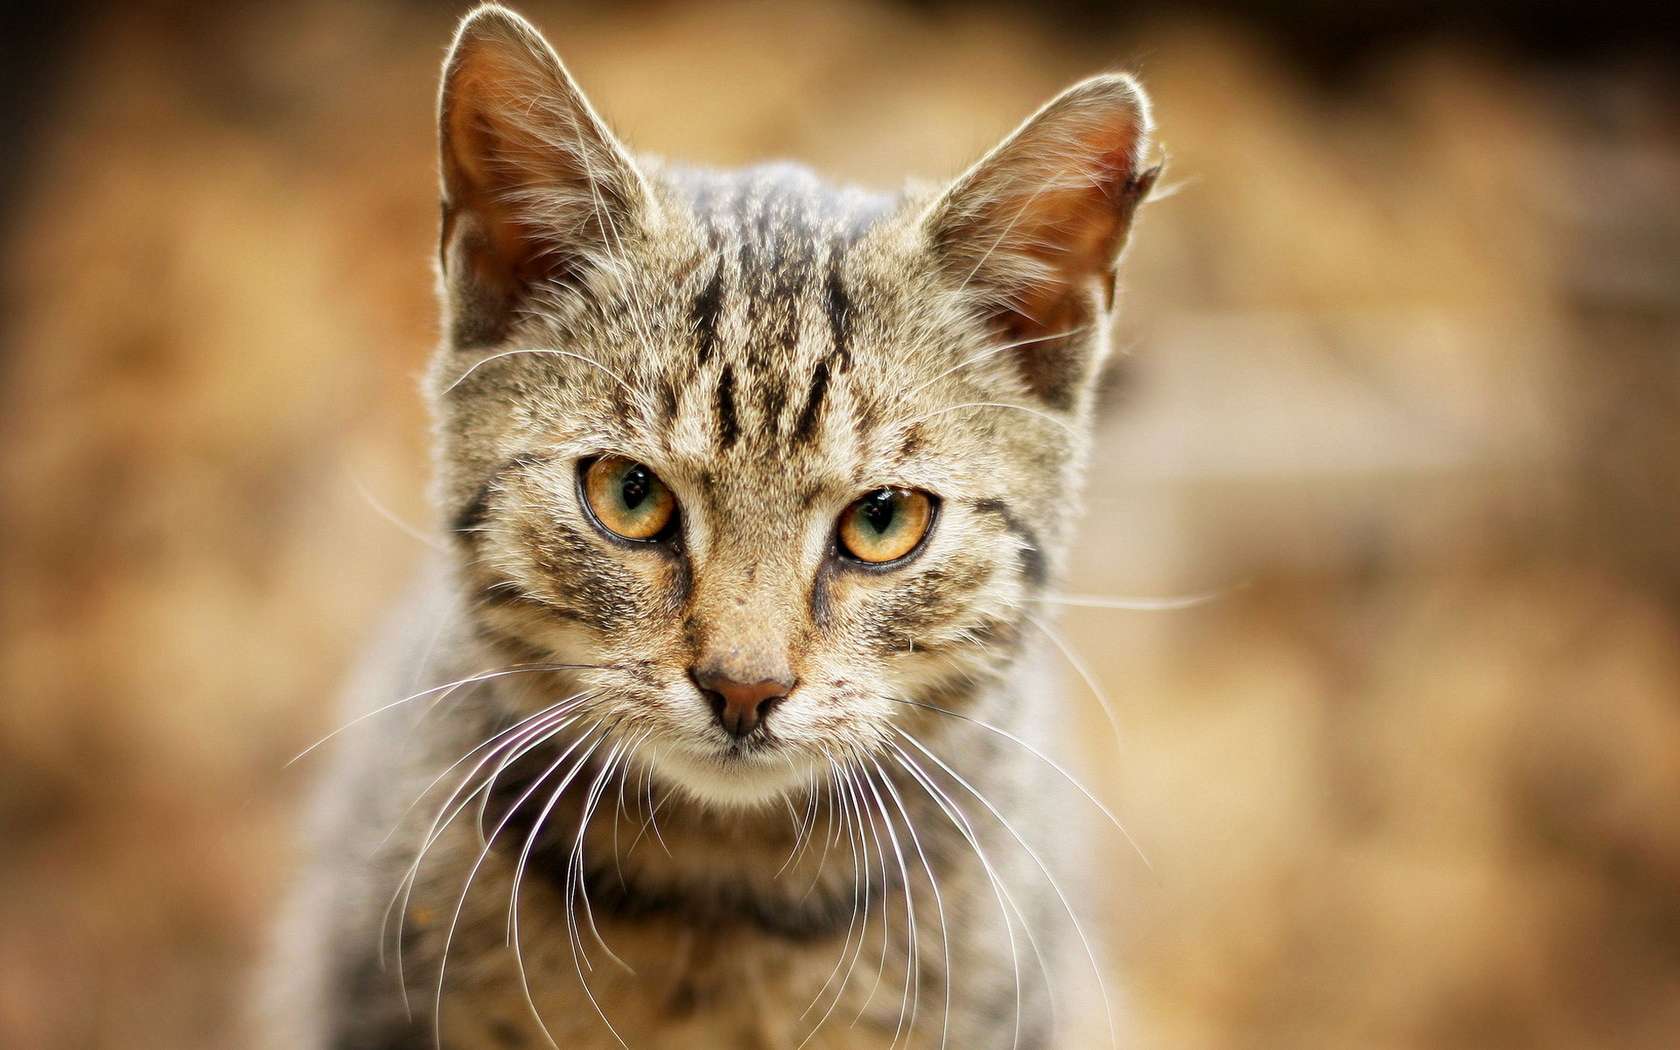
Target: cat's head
point(783, 461)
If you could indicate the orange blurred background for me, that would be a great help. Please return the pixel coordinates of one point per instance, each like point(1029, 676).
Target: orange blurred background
point(1402, 386)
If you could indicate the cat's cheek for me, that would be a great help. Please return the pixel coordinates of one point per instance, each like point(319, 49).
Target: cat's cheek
point(674, 584)
point(852, 620)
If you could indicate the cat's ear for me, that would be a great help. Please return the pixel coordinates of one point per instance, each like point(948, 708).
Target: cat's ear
point(1034, 231)
point(536, 189)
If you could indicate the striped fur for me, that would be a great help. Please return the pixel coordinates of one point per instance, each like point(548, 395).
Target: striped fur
point(772, 347)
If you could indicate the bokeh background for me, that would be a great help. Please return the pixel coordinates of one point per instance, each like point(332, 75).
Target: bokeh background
point(1402, 388)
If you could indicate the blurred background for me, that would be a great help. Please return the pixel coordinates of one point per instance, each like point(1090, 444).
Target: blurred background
point(1402, 386)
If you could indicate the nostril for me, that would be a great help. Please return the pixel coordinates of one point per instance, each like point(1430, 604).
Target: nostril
point(740, 707)
point(761, 712)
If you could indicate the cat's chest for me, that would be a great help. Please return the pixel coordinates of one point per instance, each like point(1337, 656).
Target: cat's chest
point(673, 987)
point(641, 972)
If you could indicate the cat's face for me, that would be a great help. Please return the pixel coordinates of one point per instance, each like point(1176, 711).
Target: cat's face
point(778, 462)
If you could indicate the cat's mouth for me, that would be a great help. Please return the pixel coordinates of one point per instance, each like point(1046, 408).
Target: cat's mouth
point(743, 773)
point(757, 747)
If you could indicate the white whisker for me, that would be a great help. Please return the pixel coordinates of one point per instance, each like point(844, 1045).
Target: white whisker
point(860, 881)
point(992, 352)
point(1083, 671)
point(1005, 901)
point(472, 873)
point(828, 835)
point(1042, 757)
point(1035, 413)
point(912, 947)
point(886, 882)
point(1098, 601)
point(539, 351)
point(412, 531)
point(518, 742)
point(938, 899)
point(1044, 869)
point(482, 676)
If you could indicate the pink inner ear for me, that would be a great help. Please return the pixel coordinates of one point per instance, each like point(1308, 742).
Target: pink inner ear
point(476, 138)
point(520, 149)
point(1074, 236)
point(1078, 228)
point(1035, 231)
point(489, 77)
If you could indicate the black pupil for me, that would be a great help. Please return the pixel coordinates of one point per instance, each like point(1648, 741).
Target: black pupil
point(878, 510)
point(635, 487)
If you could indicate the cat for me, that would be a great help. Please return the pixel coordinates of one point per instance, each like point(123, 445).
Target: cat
point(752, 487)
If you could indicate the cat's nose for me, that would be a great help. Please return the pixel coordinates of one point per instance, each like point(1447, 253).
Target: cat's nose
point(740, 706)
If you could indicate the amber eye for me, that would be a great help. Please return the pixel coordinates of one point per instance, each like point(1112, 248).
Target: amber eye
point(885, 525)
point(628, 499)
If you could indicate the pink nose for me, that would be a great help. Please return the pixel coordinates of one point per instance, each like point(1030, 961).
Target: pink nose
point(740, 706)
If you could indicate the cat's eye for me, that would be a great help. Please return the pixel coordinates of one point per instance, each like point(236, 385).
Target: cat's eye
point(627, 499)
point(886, 525)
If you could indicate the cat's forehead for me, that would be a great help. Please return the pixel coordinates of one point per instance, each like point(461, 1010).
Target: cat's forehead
point(771, 325)
point(778, 220)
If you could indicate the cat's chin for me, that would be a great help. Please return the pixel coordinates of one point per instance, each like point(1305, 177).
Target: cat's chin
point(731, 779)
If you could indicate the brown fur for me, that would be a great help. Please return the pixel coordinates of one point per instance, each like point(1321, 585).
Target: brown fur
point(773, 348)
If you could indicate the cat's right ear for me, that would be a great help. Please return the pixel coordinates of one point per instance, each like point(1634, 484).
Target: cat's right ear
point(536, 189)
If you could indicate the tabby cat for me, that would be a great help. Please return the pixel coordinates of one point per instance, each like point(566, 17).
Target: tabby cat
point(712, 727)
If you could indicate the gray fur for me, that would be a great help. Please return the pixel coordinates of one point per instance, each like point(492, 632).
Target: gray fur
point(773, 348)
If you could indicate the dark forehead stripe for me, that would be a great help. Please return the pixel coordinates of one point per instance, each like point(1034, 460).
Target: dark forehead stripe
point(707, 306)
point(781, 236)
point(729, 427)
point(780, 223)
point(839, 308)
point(806, 426)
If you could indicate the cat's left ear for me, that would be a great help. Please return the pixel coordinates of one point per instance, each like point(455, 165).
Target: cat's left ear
point(1034, 231)
point(536, 190)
